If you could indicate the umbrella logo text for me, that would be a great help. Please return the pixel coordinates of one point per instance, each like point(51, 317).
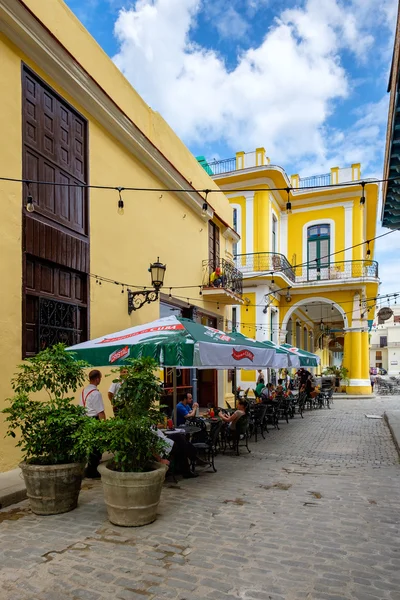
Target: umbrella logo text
point(241, 354)
point(121, 353)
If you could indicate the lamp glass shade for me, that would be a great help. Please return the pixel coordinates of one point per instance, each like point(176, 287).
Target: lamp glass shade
point(157, 271)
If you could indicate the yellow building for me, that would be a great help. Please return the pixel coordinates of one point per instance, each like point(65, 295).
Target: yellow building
point(309, 274)
point(69, 118)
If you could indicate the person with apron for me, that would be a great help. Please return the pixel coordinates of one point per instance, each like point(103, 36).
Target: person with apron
point(91, 399)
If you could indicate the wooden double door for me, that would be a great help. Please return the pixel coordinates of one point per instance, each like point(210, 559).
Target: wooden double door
point(55, 237)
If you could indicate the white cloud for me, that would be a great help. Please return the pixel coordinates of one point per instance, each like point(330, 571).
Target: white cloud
point(280, 94)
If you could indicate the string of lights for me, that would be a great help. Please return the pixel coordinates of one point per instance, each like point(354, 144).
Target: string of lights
point(99, 279)
point(206, 191)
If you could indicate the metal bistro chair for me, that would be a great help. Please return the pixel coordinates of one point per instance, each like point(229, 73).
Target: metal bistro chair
point(209, 446)
point(240, 434)
point(259, 420)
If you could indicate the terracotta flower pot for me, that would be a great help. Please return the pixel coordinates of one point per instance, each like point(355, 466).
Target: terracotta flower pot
point(132, 498)
point(52, 489)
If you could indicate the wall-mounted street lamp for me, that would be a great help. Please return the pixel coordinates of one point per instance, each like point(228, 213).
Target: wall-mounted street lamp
point(138, 299)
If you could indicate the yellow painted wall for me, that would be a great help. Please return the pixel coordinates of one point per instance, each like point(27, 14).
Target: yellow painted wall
point(121, 247)
point(71, 33)
point(296, 223)
point(261, 222)
point(248, 315)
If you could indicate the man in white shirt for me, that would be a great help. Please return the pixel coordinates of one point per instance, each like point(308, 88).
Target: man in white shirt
point(91, 399)
point(114, 389)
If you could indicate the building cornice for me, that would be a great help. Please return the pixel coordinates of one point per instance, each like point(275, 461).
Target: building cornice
point(40, 45)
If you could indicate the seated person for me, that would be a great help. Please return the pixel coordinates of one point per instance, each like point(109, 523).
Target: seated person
point(180, 451)
point(260, 384)
point(267, 393)
point(185, 409)
point(217, 277)
point(242, 409)
point(280, 390)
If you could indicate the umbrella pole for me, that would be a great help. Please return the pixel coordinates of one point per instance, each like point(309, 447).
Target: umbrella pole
point(194, 387)
point(175, 394)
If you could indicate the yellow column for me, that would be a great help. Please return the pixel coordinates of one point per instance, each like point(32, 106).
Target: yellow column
point(295, 181)
point(248, 319)
point(261, 223)
point(239, 160)
point(355, 358)
point(346, 350)
point(365, 361)
point(358, 220)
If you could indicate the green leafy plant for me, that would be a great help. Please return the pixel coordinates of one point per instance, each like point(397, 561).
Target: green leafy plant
point(341, 372)
point(50, 429)
point(131, 435)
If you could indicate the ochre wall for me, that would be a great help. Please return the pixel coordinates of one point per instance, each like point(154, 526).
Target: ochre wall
point(121, 247)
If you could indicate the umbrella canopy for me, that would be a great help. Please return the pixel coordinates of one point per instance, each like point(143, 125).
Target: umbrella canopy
point(282, 358)
point(307, 359)
point(286, 357)
point(175, 342)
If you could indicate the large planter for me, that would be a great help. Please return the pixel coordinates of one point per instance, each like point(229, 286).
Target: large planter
point(52, 489)
point(132, 498)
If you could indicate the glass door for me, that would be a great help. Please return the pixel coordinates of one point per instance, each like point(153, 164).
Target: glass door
point(318, 250)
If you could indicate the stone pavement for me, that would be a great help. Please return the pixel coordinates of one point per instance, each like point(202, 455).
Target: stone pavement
point(311, 514)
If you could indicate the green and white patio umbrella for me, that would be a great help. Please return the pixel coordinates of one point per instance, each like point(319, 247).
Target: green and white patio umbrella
point(283, 358)
point(307, 359)
point(176, 342)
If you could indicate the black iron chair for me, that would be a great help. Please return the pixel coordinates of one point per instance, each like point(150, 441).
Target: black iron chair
point(209, 446)
point(259, 420)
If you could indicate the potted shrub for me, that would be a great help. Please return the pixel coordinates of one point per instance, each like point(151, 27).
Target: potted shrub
point(339, 373)
point(133, 479)
point(48, 430)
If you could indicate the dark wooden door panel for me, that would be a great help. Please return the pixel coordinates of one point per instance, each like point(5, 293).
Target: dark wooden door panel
point(55, 237)
point(54, 146)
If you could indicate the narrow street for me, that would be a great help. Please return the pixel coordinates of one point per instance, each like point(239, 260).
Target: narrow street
point(312, 513)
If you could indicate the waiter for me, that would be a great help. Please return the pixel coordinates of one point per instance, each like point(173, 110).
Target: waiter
point(91, 399)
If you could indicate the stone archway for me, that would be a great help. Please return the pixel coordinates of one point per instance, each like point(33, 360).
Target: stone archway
point(306, 301)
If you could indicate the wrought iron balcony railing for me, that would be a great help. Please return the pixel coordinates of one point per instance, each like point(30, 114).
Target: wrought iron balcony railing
point(318, 270)
point(264, 261)
point(316, 180)
point(229, 278)
point(226, 165)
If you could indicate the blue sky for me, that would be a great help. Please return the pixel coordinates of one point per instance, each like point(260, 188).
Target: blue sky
point(306, 79)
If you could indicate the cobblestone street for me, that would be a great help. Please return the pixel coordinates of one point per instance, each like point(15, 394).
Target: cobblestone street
point(312, 513)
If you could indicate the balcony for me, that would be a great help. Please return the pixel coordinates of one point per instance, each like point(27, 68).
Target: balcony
point(228, 287)
point(270, 262)
point(267, 262)
point(242, 160)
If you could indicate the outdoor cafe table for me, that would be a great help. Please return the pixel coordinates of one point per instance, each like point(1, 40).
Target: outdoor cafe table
point(187, 430)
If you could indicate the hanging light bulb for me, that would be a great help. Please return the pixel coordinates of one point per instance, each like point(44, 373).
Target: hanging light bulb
point(368, 251)
point(204, 209)
point(306, 310)
point(321, 325)
point(288, 203)
point(120, 202)
point(332, 307)
point(362, 199)
point(29, 200)
point(288, 297)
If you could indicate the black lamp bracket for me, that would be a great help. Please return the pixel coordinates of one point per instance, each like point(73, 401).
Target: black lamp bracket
point(138, 299)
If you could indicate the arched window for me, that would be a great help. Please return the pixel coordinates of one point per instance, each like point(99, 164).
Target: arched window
point(318, 250)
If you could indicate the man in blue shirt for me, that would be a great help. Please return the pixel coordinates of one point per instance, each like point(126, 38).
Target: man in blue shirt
point(185, 409)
